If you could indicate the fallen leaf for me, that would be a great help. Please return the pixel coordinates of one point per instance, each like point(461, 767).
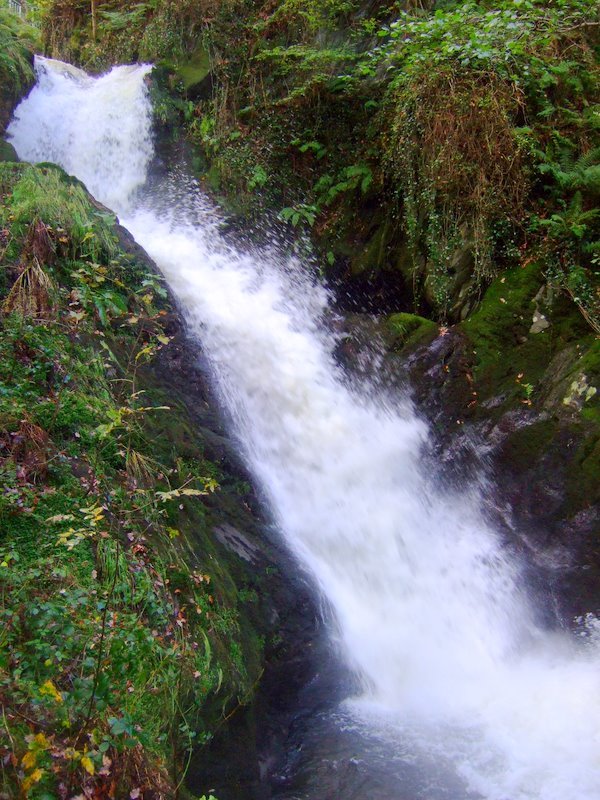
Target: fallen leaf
point(50, 690)
point(88, 765)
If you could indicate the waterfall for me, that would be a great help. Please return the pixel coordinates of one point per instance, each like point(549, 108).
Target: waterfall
point(429, 610)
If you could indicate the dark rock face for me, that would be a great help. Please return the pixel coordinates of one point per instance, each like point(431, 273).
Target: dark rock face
point(10, 98)
point(248, 753)
point(202, 89)
point(8, 103)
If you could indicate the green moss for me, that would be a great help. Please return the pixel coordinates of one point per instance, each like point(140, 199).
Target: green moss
point(18, 41)
point(409, 330)
point(501, 325)
point(61, 201)
point(521, 366)
point(374, 255)
point(195, 69)
point(589, 360)
point(583, 485)
point(579, 384)
point(7, 151)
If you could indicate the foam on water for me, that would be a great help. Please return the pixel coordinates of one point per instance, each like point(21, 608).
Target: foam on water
point(429, 610)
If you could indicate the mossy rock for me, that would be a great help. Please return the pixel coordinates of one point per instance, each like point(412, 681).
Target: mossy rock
point(524, 446)
point(510, 353)
point(18, 42)
point(7, 151)
point(572, 381)
point(409, 330)
point(195, 74)
point(505, 312)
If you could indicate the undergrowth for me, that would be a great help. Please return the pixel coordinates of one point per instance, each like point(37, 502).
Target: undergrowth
point(440, 142)
point(446, 142)
point(107, 630)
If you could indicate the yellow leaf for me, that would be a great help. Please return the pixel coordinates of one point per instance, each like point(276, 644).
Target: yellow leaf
point(163, 339)
point(35, 777)
point(91, 509)
point(60, 518)
point(145, 351)
point(49, 689)
point(41, 741)
point(29, 760)
point(88, 765)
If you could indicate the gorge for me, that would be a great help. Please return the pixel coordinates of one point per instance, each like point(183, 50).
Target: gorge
point(425, 604)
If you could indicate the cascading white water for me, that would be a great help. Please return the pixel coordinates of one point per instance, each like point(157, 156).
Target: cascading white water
point(429, 610)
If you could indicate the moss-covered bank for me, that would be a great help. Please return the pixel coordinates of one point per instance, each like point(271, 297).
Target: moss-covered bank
point(132, 571)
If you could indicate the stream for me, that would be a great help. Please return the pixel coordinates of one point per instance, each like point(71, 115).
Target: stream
point(456, 692)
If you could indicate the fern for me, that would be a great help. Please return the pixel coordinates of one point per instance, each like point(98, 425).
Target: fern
point(119, 20)
point(572, 175)
point(16, 45)
point(572, 223)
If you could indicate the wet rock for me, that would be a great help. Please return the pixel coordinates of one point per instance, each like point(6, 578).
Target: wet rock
point(539, 323)
point(235, 541)
point(7, 151)
point(522, 416)
point(539, 459)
